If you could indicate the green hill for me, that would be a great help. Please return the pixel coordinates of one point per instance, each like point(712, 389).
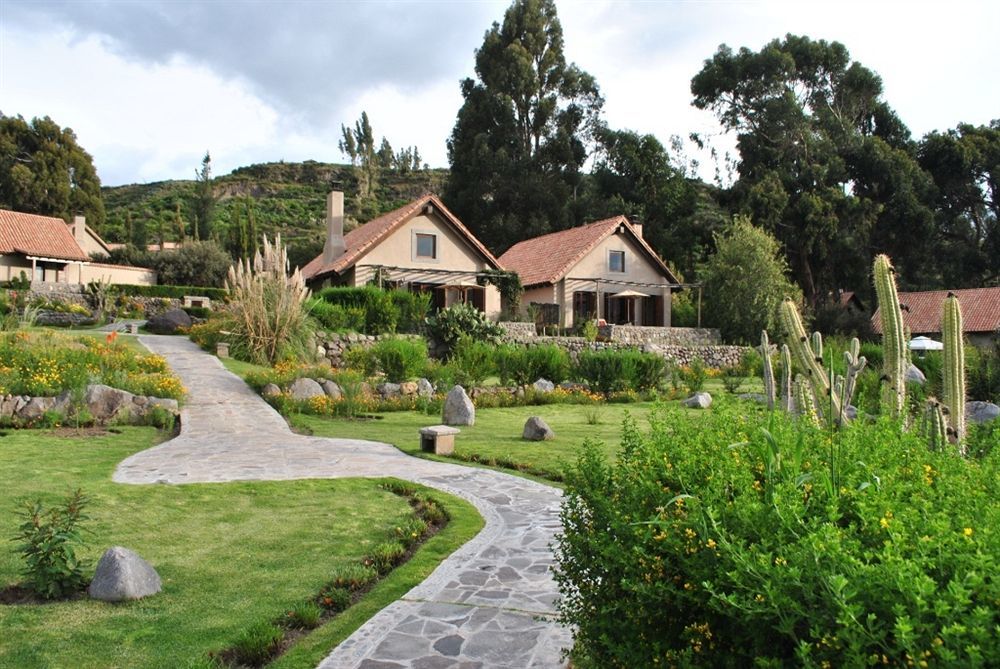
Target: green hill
point(285, 198)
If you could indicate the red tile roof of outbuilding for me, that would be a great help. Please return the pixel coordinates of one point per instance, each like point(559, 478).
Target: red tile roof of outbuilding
point(34, 235)
point(922, 311)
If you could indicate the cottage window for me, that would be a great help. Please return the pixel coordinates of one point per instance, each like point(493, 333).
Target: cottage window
point(616, 261)
point(426, 246)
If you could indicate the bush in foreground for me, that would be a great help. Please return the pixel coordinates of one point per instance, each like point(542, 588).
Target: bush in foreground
point(748, 540)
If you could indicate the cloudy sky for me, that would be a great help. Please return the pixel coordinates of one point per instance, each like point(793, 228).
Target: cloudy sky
point(150, 86)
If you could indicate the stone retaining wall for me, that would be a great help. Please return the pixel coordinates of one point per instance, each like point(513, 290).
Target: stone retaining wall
point(332, 345)
point(635, 335)
point(516, 331)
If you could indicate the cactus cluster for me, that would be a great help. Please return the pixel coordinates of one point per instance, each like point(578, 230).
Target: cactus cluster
point(933, 426)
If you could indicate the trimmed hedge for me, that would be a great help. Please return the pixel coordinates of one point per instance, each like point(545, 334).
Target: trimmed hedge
point(176, 292)
point(385, 311)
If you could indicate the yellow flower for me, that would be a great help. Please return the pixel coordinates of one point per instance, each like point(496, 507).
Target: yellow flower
point(967, 531)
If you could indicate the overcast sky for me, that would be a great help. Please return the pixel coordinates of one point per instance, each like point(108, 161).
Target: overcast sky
point(148, 87)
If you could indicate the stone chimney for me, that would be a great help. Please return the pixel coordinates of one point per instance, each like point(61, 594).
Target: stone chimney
point(79, 229)
point(636, 223)
point(334, 247)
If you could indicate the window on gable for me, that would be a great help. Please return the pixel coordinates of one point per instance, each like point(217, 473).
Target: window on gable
point(616, 261)
point(426, 246)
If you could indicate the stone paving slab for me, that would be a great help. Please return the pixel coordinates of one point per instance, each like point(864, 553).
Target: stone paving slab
point(489, 605)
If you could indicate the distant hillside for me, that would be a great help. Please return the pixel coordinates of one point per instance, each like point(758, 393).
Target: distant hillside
point(289, 198)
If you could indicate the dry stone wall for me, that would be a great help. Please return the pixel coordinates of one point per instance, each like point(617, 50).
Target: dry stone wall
point(333, 345)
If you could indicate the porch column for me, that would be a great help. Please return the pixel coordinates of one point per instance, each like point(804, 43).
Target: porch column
point(667, 301)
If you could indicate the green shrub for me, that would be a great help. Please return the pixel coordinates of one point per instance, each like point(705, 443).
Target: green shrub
point(400, 359)
point(982, 369)
point(547, 361)
point(258, 644)
point(412, 308)
point(752, 540)
point(303, 616)
point(383, 311)
point(385, 556)
point(472, 361)
point(462, 320)
point(693, 375)
point(510, 363)
point(335, 317)
point(612, 370)
point(198, 312)
point(334, 598)
point(732, 379)
point(50, 538)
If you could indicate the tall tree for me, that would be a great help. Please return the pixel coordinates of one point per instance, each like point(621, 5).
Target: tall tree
point(204, 200)
point(43, 170)
point(825, 164)
point(965, 165)
point(521, 136)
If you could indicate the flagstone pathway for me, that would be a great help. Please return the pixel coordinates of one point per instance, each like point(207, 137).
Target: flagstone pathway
point(490, 605)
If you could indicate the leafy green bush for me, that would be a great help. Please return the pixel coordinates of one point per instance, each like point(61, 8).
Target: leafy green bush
point(472, 361)
point(611, 370)
point(385, 311)
point(753, 540)
point(412, 309)
point(400, 359)
point(982, 369)
point(509, 361)
point(547, 361)
point(462, 320)
point(49, 539)
point(335, 317)
point(693, 375)
point(258, 644)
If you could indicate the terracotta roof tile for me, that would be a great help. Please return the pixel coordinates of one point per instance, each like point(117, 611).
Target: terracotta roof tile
point(365, 237)
point(549, 258)
point(31, 234)
point(922, 311)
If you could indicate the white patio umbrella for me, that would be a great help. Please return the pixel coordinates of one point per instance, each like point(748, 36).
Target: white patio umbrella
point(925, 344)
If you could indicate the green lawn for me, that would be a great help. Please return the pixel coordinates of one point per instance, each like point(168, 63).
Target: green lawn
point(229, 554)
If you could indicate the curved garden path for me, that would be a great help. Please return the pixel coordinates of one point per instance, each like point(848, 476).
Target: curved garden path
point(488, 605)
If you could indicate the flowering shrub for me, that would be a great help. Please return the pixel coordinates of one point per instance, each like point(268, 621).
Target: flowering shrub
point(748, 540)
point(48, 364)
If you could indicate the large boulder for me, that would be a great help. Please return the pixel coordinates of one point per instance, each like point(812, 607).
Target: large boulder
point(458, 408)
point(388, 390)
point(700, 400)
point(544, 386)
point(914, 375)
point(981, 412)
point(122, 575)
point(169, 322)
point(408, 388)
point(271, 390)
point(35, 408)
point(332, 389)
point(106, 403)
point(536, 429)
point(305, 389)
point(425, 388)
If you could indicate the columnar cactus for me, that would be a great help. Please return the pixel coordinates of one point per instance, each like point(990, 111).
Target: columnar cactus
point(808, 360)
point(765, 352)
point(897, 358)
point(805, 401)
point(953, 369)
point(786, 378)
point(933, 425)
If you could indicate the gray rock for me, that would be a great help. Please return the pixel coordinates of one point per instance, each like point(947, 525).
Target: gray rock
point(388, 390)
point(536, 429)
point(981, 412)
point(425, 388)
point(106, 403)
point(162, 403)
point(755, 397)
point(544, 386)
point(169, 322)
point(122, 575)
point(914, 375)
point(851, 412)
point(331, 389)
point(271, 390)
point(700, 400)
point(458, 408)
point(408, 388)
point(35, 407)
point(7, 405)
point(305, 389)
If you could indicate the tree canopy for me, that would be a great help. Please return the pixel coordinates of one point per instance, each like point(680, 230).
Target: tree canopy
point(521, 136)
point(825, 164)
point(43, 170)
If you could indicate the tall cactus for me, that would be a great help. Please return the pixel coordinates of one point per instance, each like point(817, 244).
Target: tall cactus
point(953, 369)
point(765, 353)
point(808, 360)
point(896, 354)
point(786, 378)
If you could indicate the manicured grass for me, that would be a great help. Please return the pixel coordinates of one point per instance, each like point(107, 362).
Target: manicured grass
point(229, 554)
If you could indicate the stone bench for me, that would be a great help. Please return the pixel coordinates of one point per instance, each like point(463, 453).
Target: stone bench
point(198, 301)
point(439, 439)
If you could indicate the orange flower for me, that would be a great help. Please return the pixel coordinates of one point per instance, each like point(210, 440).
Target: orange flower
point(111, 337)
